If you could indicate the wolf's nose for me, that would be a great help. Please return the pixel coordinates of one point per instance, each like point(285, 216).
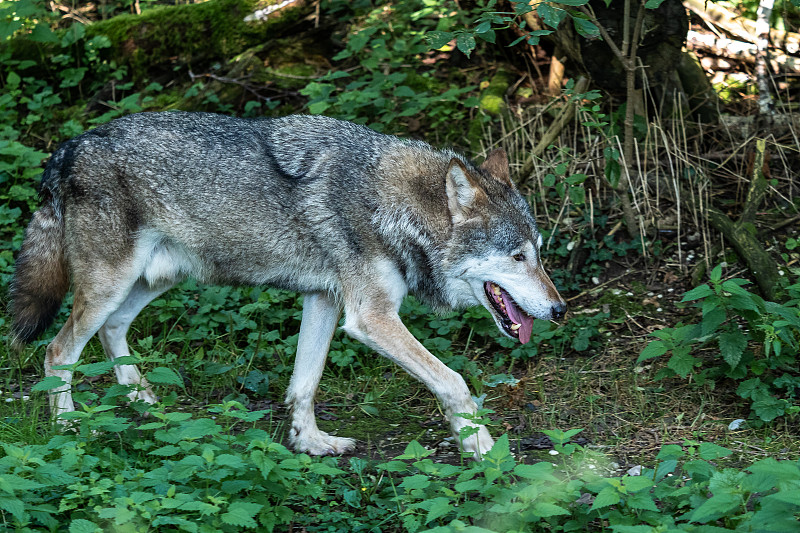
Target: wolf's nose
point(559, 310)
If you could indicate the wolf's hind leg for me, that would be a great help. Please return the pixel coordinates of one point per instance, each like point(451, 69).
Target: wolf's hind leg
point(91, 307)
point(320, 316)
point(112, 336)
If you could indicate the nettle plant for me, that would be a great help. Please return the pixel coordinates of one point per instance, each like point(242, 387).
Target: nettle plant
point(386, 83)
point(752, 341)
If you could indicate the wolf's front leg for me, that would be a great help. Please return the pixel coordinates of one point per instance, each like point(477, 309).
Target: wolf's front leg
point(320, 316)
point(383, 331)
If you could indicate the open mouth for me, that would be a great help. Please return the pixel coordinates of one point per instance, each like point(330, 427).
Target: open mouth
point(515, 321)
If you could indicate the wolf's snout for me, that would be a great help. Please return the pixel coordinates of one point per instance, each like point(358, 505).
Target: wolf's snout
point(559, 310)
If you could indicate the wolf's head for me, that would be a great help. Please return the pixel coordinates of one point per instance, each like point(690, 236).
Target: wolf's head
point(493, 253)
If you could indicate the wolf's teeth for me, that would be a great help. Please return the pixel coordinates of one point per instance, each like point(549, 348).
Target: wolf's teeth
point(515, 327)
point(496, 290)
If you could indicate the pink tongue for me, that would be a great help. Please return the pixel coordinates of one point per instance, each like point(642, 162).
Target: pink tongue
point(520, 317)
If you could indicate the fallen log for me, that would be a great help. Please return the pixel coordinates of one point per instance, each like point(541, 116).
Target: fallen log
point(741, 27)
point(741, 234)
point(741, 50)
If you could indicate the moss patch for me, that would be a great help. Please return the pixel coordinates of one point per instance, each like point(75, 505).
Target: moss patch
point(189, 33)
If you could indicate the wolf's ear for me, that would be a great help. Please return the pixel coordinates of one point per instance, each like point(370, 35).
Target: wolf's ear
point(496, 165)
point(463, 193)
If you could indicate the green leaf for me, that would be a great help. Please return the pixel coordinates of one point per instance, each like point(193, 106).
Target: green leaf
point(716, 507)
point(732, 345)
point(710, 451)
point(414, 450)
point(166, 451)
point(682, 362)
point(95, 369)
point(417, 481)
point(713, 317)
point(440, 506)
point(317, 108)
point(437, 39)
point(466, 43)
point(488, 36)
point(653, 4)
point(48, 383)
point(43, 34)
point(654, 349)
point(621, 528)
point(545, 509)
point(13, 505)
point(552, 16)
point(641, 500)
point(716, 274)
point(577, 195)
point(698, 292)
point(327, 470)
point(164, 376)
point(241, 514)
point(79, 525)
point(585, 28)
point(607, 496)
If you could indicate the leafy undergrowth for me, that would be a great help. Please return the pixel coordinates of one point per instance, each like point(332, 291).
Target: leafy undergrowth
point(183, 473)
point(223, 467)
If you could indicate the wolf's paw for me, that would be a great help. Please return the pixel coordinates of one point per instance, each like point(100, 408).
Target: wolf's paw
point(478, 444)
point(320, 443)
point(144, 394)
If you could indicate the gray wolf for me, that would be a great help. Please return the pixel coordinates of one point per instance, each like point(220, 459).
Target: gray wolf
point(351, 218)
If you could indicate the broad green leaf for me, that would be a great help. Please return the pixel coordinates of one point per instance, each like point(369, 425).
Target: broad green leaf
point(48, 383)
point(488, 36)
point(620, 528)
point(710, 451)
point(417, 481)
point(584, 27)
point(13, 505)
point(327, 470)
point(79, 525)
point(95, 369)
point(539, 471)
point(791, 496)
point(732, 345)
point(437, 39)
point(715, 508)
point(682, 362)
point(607, 496)
point(637, 483)
point(545, 509)
point(712, 318)
point(641, 500)
point(166, 451)
point(414, 450)
point(654, 349)
point(552, 16)
point(440, 506)
point(698, 292)
point(466, 43)
point(164, 376)
point(241, 514)
point(43, 34)
point(716, 273)
point(577, 195)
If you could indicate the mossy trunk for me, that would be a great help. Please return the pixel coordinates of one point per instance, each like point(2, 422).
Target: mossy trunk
point(164, 36)
point(743, 239)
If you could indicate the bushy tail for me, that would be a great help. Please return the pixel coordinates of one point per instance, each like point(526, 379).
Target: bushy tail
point(41, 278)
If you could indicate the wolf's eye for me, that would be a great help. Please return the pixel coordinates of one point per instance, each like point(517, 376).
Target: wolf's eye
point(519, 257)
